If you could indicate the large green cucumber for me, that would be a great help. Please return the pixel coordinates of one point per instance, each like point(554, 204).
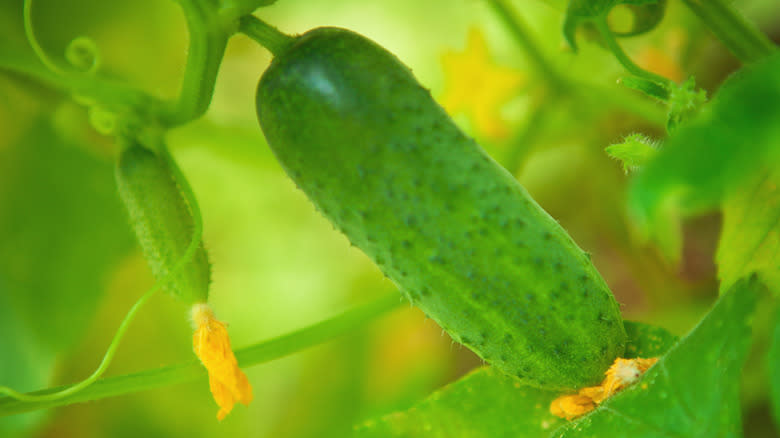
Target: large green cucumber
point(455, 231)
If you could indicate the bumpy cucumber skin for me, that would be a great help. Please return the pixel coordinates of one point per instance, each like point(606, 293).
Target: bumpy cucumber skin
point(456, 232)
point(162, 222)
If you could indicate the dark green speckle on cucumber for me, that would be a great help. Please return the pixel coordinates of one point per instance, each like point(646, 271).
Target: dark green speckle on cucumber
point(456, 232)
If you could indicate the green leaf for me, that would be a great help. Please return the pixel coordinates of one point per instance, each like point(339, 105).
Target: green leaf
point(645, 340)
point(732, 138)
point(693, 390)
point(61, 229)
point(634, 152)
point(685, 100)
point(646, 86)
point(580, 12)
point(750, 236)
point(487, 403)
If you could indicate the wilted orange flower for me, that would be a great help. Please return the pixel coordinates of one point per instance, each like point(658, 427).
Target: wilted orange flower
point(622, 373)
point(227, 382)
point(571, 406)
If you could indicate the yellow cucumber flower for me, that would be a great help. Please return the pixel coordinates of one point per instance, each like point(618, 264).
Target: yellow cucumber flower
point(211, 343)
point(477, 87)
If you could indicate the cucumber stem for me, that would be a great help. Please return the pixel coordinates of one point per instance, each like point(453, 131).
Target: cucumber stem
point(206, 49)
point(266, 35)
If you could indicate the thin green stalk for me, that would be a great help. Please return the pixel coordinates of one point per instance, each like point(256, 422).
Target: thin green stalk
point(28, 31)
point(104, 364)
point(265, 34)
point(740, 36)
point(192, 370)
point(523, 37)
point(625, 61)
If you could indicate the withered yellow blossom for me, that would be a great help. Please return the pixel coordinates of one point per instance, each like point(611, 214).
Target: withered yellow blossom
point(622, 373)
point(210, 341)
point(477, 87)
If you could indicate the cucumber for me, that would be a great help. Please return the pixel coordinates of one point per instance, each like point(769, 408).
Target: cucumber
point(459, 236)
point(162, 222)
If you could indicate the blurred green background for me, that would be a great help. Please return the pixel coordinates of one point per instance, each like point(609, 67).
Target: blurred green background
point(70, 269)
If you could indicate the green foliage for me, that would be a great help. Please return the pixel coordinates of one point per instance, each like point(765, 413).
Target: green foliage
point(648, 87)
point(646, 340)
point(66, 222)
point(684, 102)
point(750, 237)
point(706, 160)
point(459, 236)
point(634, 152)
point(486, 403)
point(693, 390)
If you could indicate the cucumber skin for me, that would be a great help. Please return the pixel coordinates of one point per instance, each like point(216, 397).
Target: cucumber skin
point(454, 230)
point(162, 222)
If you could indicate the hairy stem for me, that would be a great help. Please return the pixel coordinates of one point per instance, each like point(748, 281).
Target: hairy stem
point(265, 34)
point(208, 38)
point(192, 370)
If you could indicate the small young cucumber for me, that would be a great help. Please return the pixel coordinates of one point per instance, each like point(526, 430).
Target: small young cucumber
point(456, 232)
point(162, 222)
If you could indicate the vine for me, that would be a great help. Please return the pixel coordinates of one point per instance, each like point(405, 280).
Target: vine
point(122, 111)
